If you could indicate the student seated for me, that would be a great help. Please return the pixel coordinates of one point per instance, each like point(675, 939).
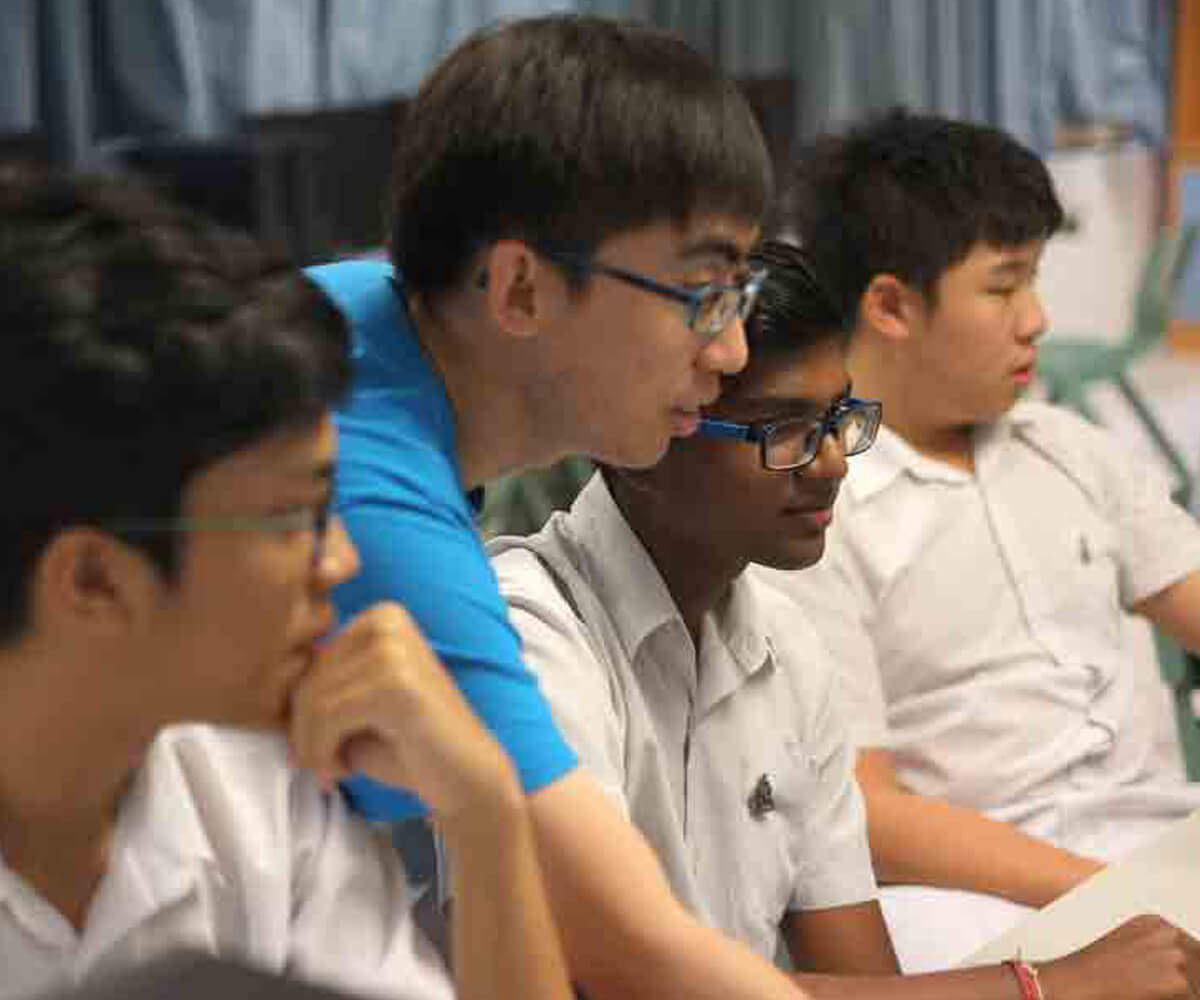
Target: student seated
point(988, 549)
point(573, 203)
point(707, 710)
point(175, 705)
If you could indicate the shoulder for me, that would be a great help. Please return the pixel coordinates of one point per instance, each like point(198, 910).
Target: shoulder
point(350, 282)
point(518, 565)
point(203, 751)
point(1086, 453)
point(1048, 418)
point(532, 573)
point(232, 796)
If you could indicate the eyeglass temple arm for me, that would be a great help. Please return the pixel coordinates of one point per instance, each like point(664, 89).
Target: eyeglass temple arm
point(722, 428)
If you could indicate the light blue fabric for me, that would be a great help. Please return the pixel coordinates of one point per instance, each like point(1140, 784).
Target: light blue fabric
point(401, 498)
point(90, 71)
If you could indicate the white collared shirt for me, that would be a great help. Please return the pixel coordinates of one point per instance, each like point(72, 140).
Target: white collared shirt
point(737, 768)
point(222, 847)
point(981, 624)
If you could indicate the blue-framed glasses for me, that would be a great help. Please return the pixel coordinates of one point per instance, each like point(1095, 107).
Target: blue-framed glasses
point(317, 519)
point(710, 308)
point(791, 444)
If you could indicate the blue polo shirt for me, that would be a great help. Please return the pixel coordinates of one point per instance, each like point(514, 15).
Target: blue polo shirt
point(400, 495)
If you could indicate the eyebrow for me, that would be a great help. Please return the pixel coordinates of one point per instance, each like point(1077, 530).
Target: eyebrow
point(713, 246)
point(1012, 266)
point(798, 404)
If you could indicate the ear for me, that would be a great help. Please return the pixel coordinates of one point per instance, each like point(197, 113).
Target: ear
point(524, 292)
point(88, 582)
point(889, 307)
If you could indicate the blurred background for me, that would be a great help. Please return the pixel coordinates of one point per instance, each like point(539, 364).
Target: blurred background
point(278, 115)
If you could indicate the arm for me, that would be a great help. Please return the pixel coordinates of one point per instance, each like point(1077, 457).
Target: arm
point(974, 852)
point(377, 701)
point(624, 932)
point(1143, 958)
point(1176, 610)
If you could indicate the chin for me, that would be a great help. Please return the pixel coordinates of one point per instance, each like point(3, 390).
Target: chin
point(634, 456)
point(800, 556)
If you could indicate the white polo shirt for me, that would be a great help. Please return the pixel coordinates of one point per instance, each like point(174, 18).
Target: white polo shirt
point(222, 847)
point(980, 622)
point(736, 767)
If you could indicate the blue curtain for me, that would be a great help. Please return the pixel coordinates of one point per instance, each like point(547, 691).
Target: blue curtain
point(92, 71)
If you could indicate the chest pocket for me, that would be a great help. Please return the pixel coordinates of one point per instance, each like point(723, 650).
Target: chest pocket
point(777, 790)
point(1083, 588)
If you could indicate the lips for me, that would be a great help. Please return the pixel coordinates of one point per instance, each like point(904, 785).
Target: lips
point(684, 422)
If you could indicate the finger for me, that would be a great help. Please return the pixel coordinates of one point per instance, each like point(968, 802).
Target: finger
point(323, 718)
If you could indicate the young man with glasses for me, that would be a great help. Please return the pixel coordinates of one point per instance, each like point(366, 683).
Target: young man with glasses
point(988, 551)
point(572, 207)
point(172, 695)
point(703, 705)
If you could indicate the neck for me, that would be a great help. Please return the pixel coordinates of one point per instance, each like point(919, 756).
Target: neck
point(498, 429)
point(881, 372)
point(696, 577)
point(66, 757)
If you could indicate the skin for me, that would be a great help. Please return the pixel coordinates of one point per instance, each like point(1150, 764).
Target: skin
point(705, 513)
point(141, 652)
point(536, 371)
point(610, 370)
point(945, 365)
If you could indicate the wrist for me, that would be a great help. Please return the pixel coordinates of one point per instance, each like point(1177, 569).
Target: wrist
point(1027, 979)
point(494, 805)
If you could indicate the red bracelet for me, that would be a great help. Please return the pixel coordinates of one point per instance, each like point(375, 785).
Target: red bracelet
point(1027, 979)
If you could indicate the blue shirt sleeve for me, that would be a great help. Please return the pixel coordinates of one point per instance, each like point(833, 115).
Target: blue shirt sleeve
point(401, 499)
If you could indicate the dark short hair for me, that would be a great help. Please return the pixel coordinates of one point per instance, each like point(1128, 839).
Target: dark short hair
point(564, 131)
point(795, 309)
point(911, 195)
point(139, 343)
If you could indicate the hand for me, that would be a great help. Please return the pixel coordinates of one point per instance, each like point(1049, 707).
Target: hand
point(1145, 958)
point(377, 701)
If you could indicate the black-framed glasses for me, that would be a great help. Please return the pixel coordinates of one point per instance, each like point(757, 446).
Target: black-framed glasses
point(318, 519)
point(791, 444)
point(710, 308)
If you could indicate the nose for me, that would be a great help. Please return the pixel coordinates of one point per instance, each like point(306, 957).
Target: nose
point(830, 460)
point(727, 353)
point(1034, 320)
point(339, 560)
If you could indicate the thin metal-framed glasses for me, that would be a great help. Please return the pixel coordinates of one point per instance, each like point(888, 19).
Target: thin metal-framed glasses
point(317, 519)
point(710, 308)
point(791, 444)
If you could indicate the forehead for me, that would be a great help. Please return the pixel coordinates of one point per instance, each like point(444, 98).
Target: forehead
point(987, 258)
point(816, 373)
point(282, 464)
point(718, 239)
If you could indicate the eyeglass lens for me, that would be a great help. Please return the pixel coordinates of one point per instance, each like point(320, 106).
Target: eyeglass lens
point(795, 443)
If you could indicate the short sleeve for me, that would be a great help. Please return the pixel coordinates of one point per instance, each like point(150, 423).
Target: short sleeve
point(401, 498)
point(1157, 541)
point(837, 869)
point(418, 547)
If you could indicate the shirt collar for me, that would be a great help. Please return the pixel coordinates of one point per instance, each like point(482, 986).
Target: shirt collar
point(160, 810)
point(892, 457)
point(619, 568)
point(628, 584)
point(158, 829)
